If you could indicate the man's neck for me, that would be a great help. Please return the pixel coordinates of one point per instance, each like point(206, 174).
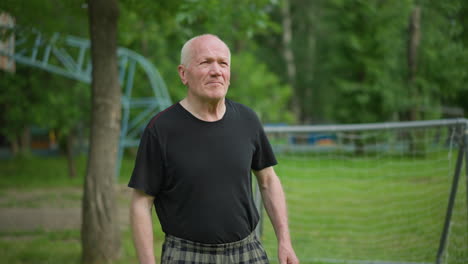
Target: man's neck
point(209, 111)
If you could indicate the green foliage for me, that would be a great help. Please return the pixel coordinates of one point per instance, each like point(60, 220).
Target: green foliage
point(365, 52)
point(235, 21)
point(170, 24)
point(370, 60)
point(442, 73)
point(20, 96)
point(33, 97)
point(49, 16)
point(152, 30)
point(254, 85)
point(351, 58)
point(67, 104)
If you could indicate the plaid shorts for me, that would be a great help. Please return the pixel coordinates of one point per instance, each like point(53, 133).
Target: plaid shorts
point(180, 251)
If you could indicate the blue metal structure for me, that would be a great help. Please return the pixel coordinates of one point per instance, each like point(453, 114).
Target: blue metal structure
point(69, 56)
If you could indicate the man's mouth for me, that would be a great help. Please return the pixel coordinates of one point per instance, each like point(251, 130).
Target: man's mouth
point(215, 82)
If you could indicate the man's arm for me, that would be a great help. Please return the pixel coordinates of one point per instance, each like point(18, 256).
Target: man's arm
point(275, 205)
point(142, 226)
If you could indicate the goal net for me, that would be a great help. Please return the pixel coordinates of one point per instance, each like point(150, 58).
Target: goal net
point(374, 193)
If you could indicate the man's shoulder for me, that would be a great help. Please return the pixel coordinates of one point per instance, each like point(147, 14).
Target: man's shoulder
point(246, 115)
point(241, 108)
point(162, 118)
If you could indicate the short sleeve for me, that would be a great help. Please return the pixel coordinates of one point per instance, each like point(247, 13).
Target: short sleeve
point(147, 174)
point(263, 155)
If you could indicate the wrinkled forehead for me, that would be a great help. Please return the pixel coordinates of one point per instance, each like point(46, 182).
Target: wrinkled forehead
point(210, 47)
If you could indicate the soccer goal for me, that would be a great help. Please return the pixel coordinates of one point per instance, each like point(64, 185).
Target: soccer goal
point(374, 193)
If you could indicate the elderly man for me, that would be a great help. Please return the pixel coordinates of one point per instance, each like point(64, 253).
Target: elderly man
point(194, 164)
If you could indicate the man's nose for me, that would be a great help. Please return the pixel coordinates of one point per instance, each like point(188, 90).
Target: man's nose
point(215, 69)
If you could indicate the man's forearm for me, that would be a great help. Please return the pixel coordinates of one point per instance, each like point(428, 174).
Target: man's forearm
point(142, 230)
point(275, 205)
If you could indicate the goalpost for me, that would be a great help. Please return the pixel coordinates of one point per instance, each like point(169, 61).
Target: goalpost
point(374, 193)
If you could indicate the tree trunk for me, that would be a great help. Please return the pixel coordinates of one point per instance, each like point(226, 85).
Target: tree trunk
point(100, 231)
point(289, 56)
point(413, 45)
point(14, 146)
point(25, 141)
point(311, 93)
point(416, 145)
point(70, 145)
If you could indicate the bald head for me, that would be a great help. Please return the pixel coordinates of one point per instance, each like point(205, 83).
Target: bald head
point(186, 53)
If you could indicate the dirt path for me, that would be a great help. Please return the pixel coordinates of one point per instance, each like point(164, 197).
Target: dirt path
point(50, 209)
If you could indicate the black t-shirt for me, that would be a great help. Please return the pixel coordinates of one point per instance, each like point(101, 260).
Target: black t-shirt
point(200, 172)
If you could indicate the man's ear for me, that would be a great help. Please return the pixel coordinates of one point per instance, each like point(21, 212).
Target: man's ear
point(181, 70)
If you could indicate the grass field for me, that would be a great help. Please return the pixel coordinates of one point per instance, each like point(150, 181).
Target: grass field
point(371, 208)
point(31, 183)
point(341, 209)
point(33, 172)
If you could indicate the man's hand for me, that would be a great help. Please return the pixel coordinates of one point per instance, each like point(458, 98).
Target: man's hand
point(286, 254)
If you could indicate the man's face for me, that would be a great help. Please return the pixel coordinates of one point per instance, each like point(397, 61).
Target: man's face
point(208, 71)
